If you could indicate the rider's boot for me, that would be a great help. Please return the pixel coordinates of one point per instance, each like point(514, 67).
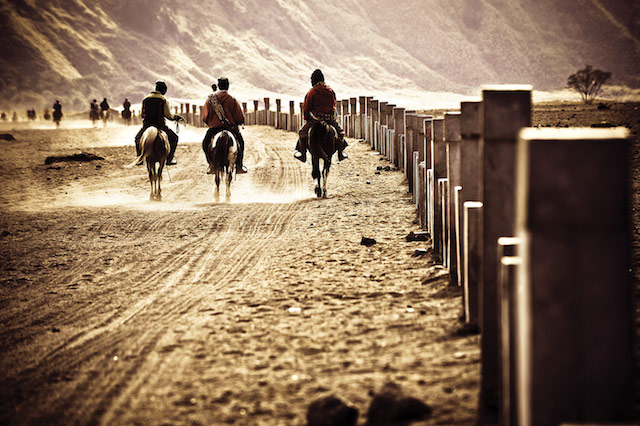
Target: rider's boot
point(301, 149)
point(341, 154)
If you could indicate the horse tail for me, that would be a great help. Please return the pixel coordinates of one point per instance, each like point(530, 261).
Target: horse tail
point(146, 146)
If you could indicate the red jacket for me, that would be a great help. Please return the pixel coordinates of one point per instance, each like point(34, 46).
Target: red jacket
point(321, 99)
point(231, 107)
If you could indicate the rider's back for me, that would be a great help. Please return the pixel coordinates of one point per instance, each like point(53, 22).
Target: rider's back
point(153, 111)
point(321, 99)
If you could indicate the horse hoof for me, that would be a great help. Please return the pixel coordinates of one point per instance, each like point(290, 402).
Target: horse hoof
point(318, 191)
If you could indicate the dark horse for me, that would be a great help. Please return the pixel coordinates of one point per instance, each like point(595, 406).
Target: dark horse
point(323, 143)
point(223, 151)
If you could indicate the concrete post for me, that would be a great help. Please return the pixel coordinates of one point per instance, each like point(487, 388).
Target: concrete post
point(352, 130)
point(428, 154)
point(506, 109)
point(244, 108)
point(409, 136)
point(375, 116)
point(255, 112)
point(472, 259)
point(507, 272)
point(416, 183)
point(422, 201)
point(382, 118)
point(277, 124)
point(439, 151)
point(292, 113)
point(398, 125)
point(443, 186)
point(361, 116)
point(267, 106)
point(201, 122)
point(457, 232)
point(574, 295)
point(452, 140)
point(471, 132)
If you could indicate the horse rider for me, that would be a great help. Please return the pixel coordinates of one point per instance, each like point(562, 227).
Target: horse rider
point(319, 104)
point(155, 108)
point(57, 110)
point(221, 112)
point(94, 112)
point(126, 111)
point(104, 108)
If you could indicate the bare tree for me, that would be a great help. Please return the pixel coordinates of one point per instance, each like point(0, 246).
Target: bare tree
point(588, 82)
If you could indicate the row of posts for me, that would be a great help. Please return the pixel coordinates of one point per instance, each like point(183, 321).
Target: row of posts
point(533, 225)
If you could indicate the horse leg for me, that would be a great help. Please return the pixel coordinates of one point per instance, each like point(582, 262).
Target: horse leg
point(229, 177)
point(315, 173)
point(217, 190)
point(151, 169)
point(325, 175)
point(159, 180)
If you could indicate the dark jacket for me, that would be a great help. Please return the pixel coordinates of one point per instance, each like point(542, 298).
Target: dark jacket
point(155, 109)
point(321, 99)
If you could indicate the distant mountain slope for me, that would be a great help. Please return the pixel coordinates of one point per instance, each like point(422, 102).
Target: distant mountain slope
point(76, 50)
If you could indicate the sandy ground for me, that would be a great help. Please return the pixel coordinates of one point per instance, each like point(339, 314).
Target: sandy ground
point(119, 310)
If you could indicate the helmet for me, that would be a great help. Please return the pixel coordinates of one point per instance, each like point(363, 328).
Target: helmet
point(316, 77)
point(161, 87)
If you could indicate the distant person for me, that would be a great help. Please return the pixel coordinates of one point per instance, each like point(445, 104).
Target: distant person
point(46, 115)
point(104, 111)
point(15, 117)
point(155, 108)
point(222, 111)
point(319, 104)
point(57, 112)
point(126, 111)
point(3, 116)
point(94, 112)
point(104, 107)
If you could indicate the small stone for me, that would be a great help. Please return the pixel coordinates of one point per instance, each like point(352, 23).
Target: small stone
point(7, 137)
point(331, 411)
point(367, 241)
point(417, 236)
point(368, 182)
point(390, 406)
point(420, 252)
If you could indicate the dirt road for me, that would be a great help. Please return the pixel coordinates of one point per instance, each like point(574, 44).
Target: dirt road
point(119, 310)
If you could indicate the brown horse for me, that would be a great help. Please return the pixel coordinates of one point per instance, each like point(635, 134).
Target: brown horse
point(222, 151)
point(154, 149)
point(323, 143)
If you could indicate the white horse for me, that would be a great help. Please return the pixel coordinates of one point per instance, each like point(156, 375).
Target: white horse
point(105, 117)
point(154, 149)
